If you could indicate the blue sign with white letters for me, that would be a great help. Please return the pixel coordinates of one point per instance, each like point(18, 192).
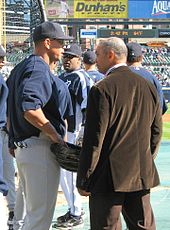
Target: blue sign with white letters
point(88, 33)
point(149, 9)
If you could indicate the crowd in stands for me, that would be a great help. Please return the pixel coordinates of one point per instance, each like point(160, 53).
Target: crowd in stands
point(157, 56)
point(162, 73)
point(156, 60)
point(17, 57)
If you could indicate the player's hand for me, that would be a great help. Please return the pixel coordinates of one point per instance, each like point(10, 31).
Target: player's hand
point(83, 192)
point(57, 139)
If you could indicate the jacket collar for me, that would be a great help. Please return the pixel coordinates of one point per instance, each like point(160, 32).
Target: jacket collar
point(115, 67)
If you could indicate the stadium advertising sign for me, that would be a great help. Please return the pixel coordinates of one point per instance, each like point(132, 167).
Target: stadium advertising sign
point(107, 9)
point(149, 9)
point(164, 33)
point(126, 33)
point(86, 9)
point(59, 9)
point(100, 8)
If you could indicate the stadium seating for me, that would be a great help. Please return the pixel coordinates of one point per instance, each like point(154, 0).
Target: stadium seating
point(157, 61)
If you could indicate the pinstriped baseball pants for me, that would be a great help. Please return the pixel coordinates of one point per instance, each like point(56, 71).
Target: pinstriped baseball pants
point(39, 174)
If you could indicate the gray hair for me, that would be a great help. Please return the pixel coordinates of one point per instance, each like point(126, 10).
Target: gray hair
point(115, 44)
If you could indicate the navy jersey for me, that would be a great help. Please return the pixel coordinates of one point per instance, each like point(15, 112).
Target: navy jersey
point(150, 77)
point(33, 86)
point(95, 75)
point(3, 98)
point(79, 84)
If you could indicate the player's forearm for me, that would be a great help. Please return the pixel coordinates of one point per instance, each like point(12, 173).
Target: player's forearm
point(38, 119)
point(65, 136)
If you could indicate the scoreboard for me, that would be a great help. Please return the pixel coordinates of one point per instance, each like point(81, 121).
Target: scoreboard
point(133, 33)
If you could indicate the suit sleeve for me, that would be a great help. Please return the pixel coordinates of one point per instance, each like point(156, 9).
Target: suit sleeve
point(156, 131)
point(97, 121)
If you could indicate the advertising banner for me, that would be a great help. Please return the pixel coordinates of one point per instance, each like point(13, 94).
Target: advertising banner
point(59, 9)
point(100, 8)
point(148, 9)
point(86, 9)
point(90, 9)
point(164, 33)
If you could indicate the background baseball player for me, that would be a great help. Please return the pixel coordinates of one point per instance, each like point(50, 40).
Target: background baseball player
point(8, 161)
point(89, 62)
point(78, 83)
point(3, 97)
point(134, 61)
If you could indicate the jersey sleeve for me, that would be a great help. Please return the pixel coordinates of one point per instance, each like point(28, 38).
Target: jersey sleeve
point(36, 89)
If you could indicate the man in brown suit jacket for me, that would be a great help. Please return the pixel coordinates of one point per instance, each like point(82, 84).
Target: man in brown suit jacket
point(122, 135)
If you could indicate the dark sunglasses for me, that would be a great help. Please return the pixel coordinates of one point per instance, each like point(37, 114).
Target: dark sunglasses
point(69, 56)
point(60, 41)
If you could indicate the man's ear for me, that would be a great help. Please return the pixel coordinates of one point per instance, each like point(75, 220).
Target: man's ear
point(47, 43)
point(111, 55)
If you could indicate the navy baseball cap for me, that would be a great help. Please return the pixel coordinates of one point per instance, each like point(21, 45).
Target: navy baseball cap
point(89, 57)
point(74, 50)
point(49, 30)
point(2, 51)
point(134, 50)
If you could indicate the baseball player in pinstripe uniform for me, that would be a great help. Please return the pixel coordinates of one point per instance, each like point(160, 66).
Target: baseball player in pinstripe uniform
point(78, 83)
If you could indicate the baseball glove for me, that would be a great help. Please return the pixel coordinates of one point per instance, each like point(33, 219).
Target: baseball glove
point(67, 155)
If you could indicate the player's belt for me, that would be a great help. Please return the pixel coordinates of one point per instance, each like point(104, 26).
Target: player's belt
point(20, 144)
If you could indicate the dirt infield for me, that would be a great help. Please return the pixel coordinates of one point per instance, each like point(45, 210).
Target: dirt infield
point(166, 118)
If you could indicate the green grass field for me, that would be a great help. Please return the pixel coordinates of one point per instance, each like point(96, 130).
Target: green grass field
point(166, 128)
point(168, 111)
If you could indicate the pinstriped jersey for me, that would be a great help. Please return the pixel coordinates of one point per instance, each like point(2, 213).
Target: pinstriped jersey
point(79, 84)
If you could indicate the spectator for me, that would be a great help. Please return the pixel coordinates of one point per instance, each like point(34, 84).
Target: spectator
point(123, 124)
